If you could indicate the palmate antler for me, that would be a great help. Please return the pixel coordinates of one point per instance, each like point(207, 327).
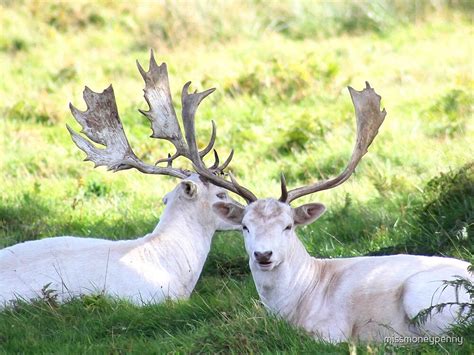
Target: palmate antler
point(369, 119)
point(102, 125)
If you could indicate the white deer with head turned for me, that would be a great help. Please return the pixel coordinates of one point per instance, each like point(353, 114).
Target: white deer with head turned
point(364, 298)
point(164, 264)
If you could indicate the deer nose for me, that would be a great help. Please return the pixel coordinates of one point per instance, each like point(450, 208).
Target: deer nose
point(263, 257)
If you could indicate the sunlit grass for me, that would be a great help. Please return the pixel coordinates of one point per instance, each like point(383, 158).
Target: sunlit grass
point(281, 73)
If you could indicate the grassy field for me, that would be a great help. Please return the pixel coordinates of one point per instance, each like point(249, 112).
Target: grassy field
point(281, 71)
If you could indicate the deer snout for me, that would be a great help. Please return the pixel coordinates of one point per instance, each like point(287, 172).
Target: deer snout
point(263, 257)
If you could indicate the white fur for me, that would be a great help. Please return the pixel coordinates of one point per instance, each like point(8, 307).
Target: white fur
point(163, 264)
point(365, 298)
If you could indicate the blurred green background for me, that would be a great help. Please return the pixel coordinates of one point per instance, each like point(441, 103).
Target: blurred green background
point(281, 69)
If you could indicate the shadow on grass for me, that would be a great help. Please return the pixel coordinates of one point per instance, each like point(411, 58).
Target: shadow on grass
point(228, 257)
point(30, 217)
point(443, 223)
point(22, 221)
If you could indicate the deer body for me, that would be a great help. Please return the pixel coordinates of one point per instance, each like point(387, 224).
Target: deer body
point(365, 298)
point(164, 264)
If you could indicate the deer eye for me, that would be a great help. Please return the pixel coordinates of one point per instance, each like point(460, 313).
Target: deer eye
point(288, 227)
point(245, 228)
point(221, 195)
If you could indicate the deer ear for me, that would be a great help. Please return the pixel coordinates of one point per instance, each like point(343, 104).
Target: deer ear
point(229, 212)
point(189, 189)
point(307, 214)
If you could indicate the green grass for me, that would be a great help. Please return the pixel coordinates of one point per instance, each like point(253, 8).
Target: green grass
point(280, 70)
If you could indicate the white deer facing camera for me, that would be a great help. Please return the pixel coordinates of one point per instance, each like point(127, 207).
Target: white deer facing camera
point(361, 298)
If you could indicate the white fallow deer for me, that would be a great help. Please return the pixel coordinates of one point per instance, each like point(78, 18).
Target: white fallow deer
point(360, 298)
point(164, 264)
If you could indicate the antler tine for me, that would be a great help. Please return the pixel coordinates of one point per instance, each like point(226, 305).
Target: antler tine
point(232, 185)
point(168, 159)
point(227, 161)
point(369, 119)
point(102, 125)
point(284, 191)
point(190, 103)
point(206, 150)
point(219, 169)
point(216, 161)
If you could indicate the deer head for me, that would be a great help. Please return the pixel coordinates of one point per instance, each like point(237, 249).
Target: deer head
point(193, 198)
point(269, 224)
point(101, 124)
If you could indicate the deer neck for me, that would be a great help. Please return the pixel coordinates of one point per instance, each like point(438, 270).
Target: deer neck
point(281, 289)
point(189, 223)
point(182, 239)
